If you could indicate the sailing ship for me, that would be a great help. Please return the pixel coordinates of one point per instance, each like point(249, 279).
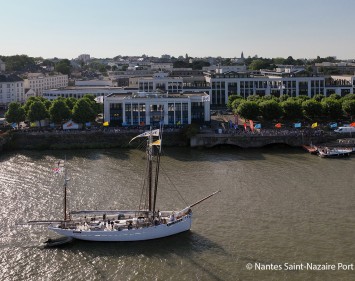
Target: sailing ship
point(145, 223)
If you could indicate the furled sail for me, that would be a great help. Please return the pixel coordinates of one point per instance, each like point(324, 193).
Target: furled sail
point(147, 134)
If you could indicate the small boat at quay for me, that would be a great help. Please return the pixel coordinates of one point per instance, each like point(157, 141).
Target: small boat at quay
point(312, 149)
point(334, 152)
point(145, 223)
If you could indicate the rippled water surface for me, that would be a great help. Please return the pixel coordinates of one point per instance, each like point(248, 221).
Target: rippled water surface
point(277, 205)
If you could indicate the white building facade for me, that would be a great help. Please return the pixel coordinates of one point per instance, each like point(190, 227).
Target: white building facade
point(151, 108)
point(11, 89)
point(39, 82)
point(79, 92)
point(246, 84)
point(161, 81)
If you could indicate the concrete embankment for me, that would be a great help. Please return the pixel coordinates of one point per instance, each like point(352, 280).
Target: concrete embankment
point(110, 139)
point(254, 141)
point(5, 138)
point(83, 139)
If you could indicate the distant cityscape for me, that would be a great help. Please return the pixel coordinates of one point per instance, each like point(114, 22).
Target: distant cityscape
point(205, 82)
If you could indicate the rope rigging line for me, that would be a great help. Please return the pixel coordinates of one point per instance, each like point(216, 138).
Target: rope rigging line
point(171, 182)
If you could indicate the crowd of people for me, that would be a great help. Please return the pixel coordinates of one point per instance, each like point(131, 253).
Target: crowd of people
point(274, 132)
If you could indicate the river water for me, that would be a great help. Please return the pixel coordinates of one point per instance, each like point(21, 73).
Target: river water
point(277, 205)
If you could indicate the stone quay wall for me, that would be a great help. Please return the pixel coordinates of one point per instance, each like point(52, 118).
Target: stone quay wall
point(254, 141)
point(83, 139)
point(15, 140)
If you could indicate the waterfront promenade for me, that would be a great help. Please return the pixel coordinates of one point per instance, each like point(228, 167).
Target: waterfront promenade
point(120, 137)
point(260, 138)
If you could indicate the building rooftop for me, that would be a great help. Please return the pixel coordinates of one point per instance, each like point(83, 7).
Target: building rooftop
point(9, 78)
point(157, 95)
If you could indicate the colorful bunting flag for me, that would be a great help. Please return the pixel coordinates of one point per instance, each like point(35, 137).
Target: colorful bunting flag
point(278, 125)
point(105, 124)
point(333, 125)
point(352, 124)
point(297, 125)
point(315, 125)
point(251, 124)
point(257, 126)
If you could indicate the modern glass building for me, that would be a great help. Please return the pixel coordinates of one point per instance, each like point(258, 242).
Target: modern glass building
point(143, 108)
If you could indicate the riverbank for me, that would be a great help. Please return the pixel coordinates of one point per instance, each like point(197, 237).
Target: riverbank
point(40, 140)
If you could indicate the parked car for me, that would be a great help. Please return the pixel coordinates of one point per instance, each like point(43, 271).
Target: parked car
point(345, 130)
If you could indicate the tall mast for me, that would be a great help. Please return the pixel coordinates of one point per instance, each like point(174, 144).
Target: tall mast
point(150, 169)
point(65, 190)
point(157, 170)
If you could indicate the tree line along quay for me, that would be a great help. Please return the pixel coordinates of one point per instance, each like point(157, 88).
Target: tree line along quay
point(267, 111)
point(257, 108)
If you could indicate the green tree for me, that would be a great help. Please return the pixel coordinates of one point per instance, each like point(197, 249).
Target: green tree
point(82, 112)
point(335, 97)
point(15, 113)
point(28, 103)
point(292, 109)
point(20, 63)
point(70, 102)
point(198, 64)
point(258, 64)
point(332, 108)
point(268, 98)
point(284, 98)
point(279, 60)
point(301, 98)
point(255, 98)
point(248, 110)
point(319, 97)
point(312, 109)
point(96, 107)
point(63, 67)
point(37, 112)
point(349, 97)
point(231, 98)
point(236, 103)
point(270, 110)
point(349, 107)
point(47, 103)
point(181, 64)
point(59, 111)
point(289, 61)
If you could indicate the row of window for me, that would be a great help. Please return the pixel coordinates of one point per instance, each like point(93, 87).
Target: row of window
point(135, 107)
point(8, 85)
point(265, 84)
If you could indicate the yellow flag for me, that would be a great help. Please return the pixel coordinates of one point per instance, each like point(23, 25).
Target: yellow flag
point(157, 142)
point(105, 124)
point(315, 125)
